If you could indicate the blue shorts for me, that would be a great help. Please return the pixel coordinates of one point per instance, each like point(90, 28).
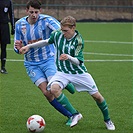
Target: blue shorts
point(41, 71)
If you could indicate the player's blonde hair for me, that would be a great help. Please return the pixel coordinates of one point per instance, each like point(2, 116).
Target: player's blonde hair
point(68, 21)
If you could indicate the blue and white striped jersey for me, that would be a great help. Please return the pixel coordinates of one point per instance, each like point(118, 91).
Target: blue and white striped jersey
point(33, 33)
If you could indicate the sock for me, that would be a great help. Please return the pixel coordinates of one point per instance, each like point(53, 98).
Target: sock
point(62, 99)
point(60, 108)
point(70, 88)
point(3, 62)
point(104, 108)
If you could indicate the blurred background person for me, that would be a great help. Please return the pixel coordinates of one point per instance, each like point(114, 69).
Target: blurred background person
point(6, 16)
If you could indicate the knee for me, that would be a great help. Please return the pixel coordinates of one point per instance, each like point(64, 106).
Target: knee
point(98, 97)
point(47, 94)
point(55, 90)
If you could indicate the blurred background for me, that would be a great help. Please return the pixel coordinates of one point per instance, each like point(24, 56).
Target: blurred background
point(83, 10)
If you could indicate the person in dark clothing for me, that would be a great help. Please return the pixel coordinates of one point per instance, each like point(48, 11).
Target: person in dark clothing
point(6, 16)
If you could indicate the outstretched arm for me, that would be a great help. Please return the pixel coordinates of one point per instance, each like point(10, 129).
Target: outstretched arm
point(26, 48)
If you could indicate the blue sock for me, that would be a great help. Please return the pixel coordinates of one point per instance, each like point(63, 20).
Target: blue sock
point(60, 108)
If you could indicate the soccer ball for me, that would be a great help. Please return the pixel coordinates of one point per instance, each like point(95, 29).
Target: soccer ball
point(35, 123)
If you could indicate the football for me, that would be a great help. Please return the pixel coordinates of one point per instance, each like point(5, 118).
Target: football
point(35, 123)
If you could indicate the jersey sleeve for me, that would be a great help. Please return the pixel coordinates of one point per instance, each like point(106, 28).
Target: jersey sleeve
point(11, 14)
point(52, 23)
point(79, 49)
point(17, 35)
point(52, 38)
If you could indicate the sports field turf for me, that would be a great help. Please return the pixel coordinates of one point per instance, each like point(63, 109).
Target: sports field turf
point(108, 57)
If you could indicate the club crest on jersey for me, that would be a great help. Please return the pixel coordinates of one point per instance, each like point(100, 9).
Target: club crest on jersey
point(69, 47)
point(5, 9)
point(23, 29)
point(72, 47)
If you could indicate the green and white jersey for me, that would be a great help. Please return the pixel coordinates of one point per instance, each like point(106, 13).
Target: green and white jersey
point(73, 47)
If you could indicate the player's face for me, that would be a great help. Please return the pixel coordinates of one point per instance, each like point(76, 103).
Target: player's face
point(67, 31)
point(33, 14)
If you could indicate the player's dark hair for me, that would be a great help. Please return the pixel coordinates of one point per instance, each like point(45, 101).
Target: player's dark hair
point(34, 3)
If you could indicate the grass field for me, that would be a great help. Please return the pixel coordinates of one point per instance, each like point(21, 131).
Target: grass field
point(108, 57)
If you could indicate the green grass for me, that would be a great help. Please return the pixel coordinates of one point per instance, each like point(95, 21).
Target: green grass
point(20, 98)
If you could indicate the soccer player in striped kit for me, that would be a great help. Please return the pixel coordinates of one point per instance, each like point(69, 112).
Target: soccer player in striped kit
point(40, 62)
point(70, 64)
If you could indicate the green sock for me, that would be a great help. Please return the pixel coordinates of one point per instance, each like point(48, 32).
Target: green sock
point(62, 99)
point(104, 108)
point(70, 88)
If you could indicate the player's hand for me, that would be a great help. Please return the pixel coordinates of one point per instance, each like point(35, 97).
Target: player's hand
point(18, 44)
point(24, 49)
point(63, 57)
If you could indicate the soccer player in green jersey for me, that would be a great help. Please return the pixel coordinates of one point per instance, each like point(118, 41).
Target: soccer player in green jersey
point(70, 64)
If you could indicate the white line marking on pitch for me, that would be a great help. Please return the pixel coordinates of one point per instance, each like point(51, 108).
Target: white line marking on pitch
point(107, 54)
point(108, 60)
point(109, 42)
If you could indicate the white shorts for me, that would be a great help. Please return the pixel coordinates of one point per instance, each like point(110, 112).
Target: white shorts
point(82, 82)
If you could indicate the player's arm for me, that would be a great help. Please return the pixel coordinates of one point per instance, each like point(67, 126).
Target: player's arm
point(11, 15)
point(40, 43)
point(73, 60)
point(17, 46)
point(53, 23)
point(17, 38)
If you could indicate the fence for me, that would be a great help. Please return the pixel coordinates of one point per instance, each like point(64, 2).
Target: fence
point(82, 12)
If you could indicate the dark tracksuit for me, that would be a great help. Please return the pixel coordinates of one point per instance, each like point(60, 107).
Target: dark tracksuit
point(6, 16)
